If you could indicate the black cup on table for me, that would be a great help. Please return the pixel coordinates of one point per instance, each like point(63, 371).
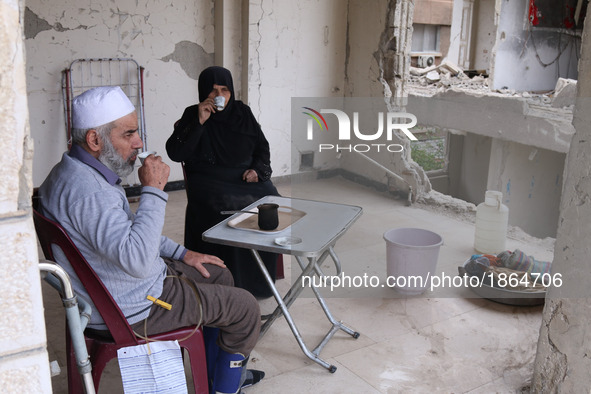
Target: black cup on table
point(268, 216)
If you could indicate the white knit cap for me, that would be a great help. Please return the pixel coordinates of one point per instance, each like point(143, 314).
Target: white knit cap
point(99, 106)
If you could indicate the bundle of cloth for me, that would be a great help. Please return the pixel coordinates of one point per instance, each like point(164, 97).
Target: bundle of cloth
point(526, 271)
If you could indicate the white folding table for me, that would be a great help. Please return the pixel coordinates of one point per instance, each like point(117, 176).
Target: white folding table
point(312, 237)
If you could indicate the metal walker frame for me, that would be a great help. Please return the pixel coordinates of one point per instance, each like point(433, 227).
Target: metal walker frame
point(78, 314)
point(84, 74)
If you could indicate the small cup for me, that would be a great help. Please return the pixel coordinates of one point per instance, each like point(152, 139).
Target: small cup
point(219, 102)
point(142, 156)
point(268, 216)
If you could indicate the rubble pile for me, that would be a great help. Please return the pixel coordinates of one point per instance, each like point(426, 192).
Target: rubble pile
point(434, 79)
point(447, 76)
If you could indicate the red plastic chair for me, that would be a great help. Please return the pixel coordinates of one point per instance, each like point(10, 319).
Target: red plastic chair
point(102, 350)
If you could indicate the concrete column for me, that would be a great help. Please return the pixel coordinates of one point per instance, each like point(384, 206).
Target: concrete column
point(228, 22)
point(393, 57)
point(563, 359)
point(394, 49)
point(245, 49)
point(24, 366)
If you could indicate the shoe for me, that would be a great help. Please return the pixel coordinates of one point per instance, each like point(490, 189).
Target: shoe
point(253, 376)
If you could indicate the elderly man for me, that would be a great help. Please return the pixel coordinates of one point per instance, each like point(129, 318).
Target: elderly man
point(129, 252)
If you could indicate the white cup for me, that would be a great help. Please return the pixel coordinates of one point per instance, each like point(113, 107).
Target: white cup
point(219, 102)
point(142, 156)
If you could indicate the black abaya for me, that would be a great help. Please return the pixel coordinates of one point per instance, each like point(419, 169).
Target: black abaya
point(215, 155)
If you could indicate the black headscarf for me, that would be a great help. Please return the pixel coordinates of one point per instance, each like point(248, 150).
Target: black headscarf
point(233, 134)
point(214, 75)
point(232, 112)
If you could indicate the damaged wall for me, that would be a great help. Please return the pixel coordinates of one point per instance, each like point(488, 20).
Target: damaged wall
point(174, 42)
point(473, 34)
point(525, 135)
point(527, 59)
point(296, 49)
point(381, 70)
point(24, 364)
point(530, 137)
point(562, 361)
point(494, 35)
point(302, 49)
point(485, 35)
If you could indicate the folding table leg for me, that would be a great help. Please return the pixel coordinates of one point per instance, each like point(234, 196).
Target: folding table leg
point(336, 325)
point(288, 317)
point(287, 300)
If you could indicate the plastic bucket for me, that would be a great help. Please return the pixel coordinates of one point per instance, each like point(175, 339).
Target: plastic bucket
point(411, 258)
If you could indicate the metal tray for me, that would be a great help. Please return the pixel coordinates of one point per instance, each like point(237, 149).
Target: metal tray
point(505, 296)
point(246, 221)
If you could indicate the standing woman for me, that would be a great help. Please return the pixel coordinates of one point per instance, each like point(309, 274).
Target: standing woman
point(227, 165)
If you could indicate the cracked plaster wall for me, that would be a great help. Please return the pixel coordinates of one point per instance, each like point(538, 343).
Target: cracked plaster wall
point(530, 133)
point(24, 364)
point(172, 41)
point(377, 70)
point(296, 49)
point(329, 53)
point(292, 52)
point(525, 160)
point(563, 359)
point(493, 35)
point(530, 60)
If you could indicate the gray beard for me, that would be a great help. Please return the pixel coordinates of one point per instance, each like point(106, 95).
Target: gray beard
point(113, 160)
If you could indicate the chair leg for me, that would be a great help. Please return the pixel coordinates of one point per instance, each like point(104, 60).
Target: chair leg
point(100, 355)
point(280, 273)
point(196, 349)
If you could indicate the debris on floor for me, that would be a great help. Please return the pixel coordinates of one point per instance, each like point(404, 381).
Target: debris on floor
point(439, 78)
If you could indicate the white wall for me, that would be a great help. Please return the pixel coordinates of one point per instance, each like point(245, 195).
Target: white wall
point(296, 49)
point(485, 35)
point(516, 64)
point(531, 182)
point(518, 127)
point(529, 121)
point(494, 35)
point(463, 28)
point(475, 164)
point(562, 361)
point(367, 21)
point(173, 41)
point(24, 365)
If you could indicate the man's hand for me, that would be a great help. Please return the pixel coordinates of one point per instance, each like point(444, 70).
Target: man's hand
point(197, 261)
point(250, 176)
point(206, 108)
point(154, 172)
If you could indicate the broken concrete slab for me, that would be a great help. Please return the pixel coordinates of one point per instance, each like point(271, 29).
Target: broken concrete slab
point(565, 93)
point(433, 76)
point(445, 66)
point(529, 121)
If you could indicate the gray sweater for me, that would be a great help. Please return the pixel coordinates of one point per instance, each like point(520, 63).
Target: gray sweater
point(123, 248)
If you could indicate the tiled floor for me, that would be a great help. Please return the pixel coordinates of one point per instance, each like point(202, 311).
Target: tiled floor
point(445, 341)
